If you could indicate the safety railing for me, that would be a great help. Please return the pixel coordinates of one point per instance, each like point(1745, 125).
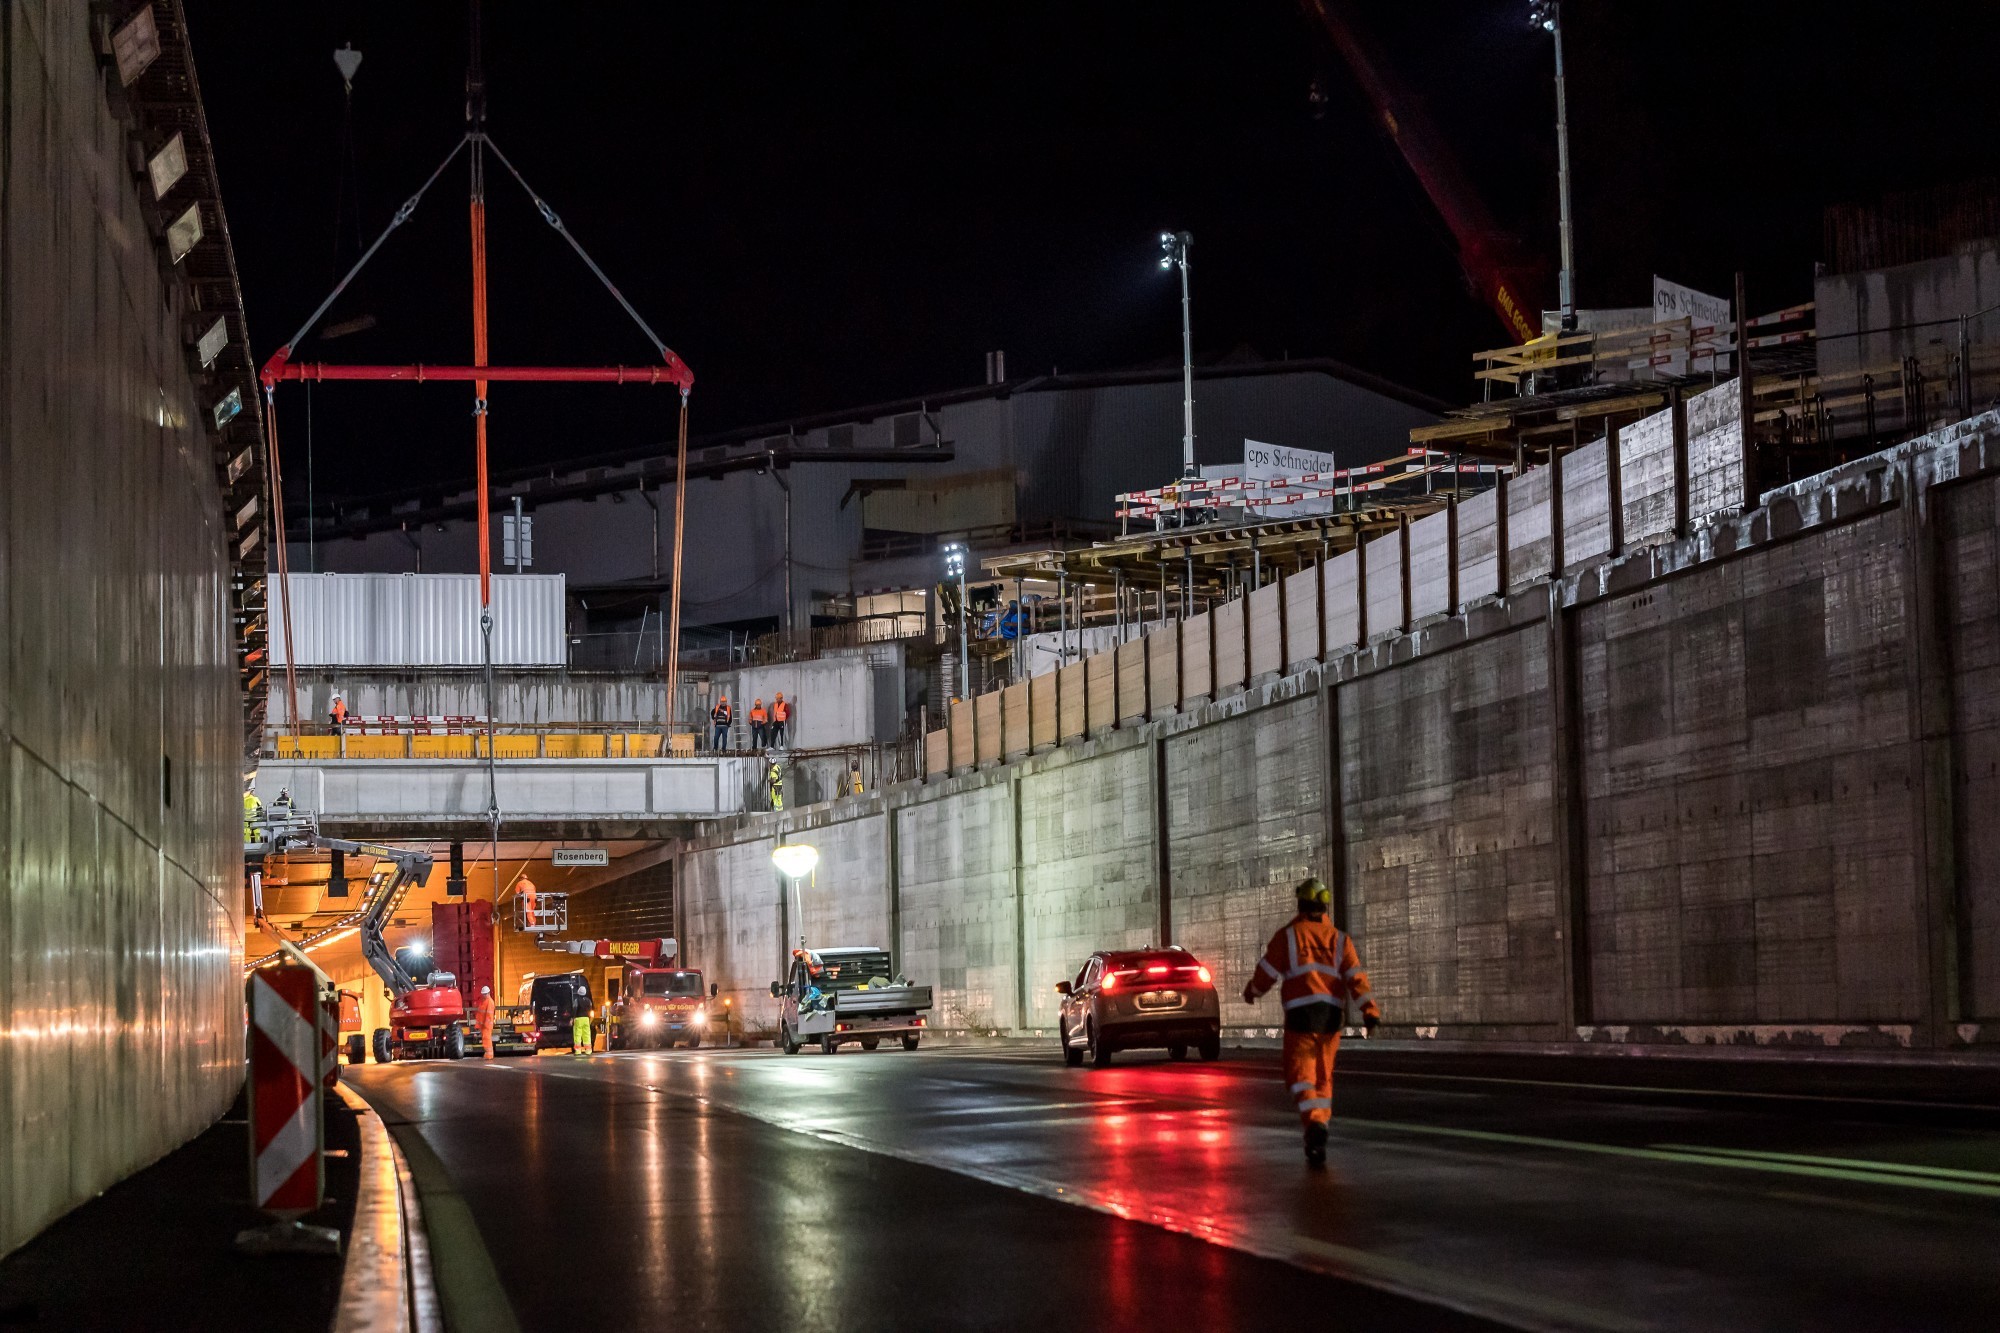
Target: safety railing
point(466, 738)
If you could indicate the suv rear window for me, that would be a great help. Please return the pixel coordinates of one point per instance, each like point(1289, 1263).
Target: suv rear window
point(1139, 961)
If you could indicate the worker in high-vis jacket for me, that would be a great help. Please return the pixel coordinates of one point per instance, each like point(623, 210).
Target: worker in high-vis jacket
point(486, 1012)
point(1318, 973)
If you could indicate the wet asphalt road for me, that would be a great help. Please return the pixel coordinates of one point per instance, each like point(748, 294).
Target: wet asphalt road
point(988, 1187)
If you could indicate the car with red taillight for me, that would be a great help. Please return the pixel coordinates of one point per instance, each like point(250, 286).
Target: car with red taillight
point(1126, 999)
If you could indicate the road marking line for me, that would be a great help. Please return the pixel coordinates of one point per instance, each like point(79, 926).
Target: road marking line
point(1349, 1072)
point(1852, 1163)
point(1697, 1157)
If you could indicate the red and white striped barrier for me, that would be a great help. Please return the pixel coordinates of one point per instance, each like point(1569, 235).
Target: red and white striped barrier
point(414, 724)
point(287, 1125)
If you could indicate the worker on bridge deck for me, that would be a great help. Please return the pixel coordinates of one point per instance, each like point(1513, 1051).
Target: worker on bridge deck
point(720, 717)
point(1318, 971)
point(484, 1012)
point(781, 720)
point(760, 724)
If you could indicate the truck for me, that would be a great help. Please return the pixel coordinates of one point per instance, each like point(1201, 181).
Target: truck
point(659, 1004)
point(836, 996)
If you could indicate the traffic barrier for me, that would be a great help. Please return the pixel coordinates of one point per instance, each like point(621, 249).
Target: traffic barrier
point(329, 1039)
point(287, 1118)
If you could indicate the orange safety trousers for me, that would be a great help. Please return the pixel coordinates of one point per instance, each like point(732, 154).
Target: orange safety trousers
point(1309, 1073)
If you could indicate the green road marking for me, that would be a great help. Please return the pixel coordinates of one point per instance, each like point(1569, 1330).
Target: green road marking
point(1850, 1163)
point(468, 1285)
point(1697, 1156)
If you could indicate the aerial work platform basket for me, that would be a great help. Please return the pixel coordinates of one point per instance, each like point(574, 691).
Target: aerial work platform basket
point(541, 913)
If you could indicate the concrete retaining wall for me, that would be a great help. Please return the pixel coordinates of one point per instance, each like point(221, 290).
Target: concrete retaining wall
point(1734, 787)
point(121, 933)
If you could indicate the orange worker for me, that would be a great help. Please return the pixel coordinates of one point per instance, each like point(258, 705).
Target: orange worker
point(484, 1012)
point(338, 713)
point(781, 720)
point(1318, 971)
point(524, 891)
point(760, 724)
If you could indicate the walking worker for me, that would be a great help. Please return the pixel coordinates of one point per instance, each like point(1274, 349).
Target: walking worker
point(484, 1012)
point(760, 724)
point(774, 783)
point(1318, 971)
point(579, 1033)
point(721, 718)
point(781, 718)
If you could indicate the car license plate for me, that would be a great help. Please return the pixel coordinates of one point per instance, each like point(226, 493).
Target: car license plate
point(1160, 999)
point(416, 1034)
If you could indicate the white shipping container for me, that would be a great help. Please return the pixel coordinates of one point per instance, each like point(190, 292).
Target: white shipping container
point(419, 620)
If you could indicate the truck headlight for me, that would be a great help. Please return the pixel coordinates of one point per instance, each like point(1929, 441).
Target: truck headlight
point(700, 1016)
point(647, 1018)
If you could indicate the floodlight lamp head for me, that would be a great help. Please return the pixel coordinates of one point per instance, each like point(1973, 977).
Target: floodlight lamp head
point(795, 860)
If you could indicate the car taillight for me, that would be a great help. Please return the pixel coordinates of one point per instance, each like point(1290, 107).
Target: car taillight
point(920, 1020)
point(1202, 972)
point(1157, 970)
point(1110, 981)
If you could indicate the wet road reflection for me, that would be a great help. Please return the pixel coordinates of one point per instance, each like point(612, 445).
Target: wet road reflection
point(899, 1190)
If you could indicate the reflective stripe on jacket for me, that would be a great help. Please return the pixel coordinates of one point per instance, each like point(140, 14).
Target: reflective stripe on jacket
point(781, 711)
point(1314, 962)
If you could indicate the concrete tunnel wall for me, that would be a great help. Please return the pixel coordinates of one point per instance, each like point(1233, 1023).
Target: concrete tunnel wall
point(121, 1015)
point(1733, 788)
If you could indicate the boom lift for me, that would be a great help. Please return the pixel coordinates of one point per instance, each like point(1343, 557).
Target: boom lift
point(427, 1017)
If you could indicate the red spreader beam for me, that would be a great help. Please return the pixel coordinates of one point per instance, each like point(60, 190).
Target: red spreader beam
point(675, 373)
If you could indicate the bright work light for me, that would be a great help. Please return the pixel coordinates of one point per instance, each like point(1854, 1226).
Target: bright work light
point(795, 859)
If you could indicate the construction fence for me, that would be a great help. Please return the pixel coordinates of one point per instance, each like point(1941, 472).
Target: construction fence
point(1649, 482)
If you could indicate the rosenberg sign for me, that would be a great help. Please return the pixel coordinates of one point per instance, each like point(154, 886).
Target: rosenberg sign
point(580, 856)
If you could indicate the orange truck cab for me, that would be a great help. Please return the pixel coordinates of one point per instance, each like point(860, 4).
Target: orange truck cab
point(661, 1006)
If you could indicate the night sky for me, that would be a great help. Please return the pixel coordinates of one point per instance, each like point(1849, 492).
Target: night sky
point(823, 206)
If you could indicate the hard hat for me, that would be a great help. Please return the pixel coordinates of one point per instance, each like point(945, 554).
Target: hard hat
point(1312, 892)
point(485, 990)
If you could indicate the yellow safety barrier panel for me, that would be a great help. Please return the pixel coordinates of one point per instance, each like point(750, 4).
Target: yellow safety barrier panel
point(440, 747)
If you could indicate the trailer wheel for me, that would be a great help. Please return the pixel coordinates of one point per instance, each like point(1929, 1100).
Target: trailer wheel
point(827, 1045)
point(694, 1041)
point(910, 1040)
point(357, 1048)
point(383, 1053)
point(870, 1043)
point(454, 1044)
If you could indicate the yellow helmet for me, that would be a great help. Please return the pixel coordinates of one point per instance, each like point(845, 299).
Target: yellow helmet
point(1312, 892)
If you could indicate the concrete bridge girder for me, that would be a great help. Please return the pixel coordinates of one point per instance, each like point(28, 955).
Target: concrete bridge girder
point(637, 796)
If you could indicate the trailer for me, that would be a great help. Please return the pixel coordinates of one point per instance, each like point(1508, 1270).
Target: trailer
point(836, 996)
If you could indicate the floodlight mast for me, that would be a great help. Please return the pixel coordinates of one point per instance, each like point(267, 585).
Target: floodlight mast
point(1174, 247)
point(954, 566)
point(1547, 15)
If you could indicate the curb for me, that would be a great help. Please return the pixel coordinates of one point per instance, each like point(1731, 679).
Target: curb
point(385, 1284)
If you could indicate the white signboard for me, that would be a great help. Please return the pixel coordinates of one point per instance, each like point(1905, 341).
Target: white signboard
point(580, 856)
point(1673, 301)
point(1265, 462)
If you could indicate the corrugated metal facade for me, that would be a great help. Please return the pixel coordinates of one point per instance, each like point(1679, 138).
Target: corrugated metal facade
point(419, 620)
point(121, 932)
